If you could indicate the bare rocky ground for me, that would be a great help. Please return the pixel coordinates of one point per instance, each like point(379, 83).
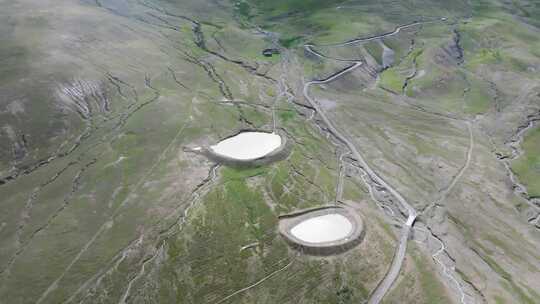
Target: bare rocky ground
point(103, 200)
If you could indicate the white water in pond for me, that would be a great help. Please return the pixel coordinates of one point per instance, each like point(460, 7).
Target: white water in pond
point(324, 228)
point(248, 145)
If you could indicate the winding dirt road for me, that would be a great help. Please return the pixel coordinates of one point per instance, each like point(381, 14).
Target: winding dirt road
point(399, 256)
point(400, 253)
point(392, 274)
point(411, 212)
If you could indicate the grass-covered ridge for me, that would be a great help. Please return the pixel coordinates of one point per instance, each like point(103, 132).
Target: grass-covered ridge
point(337, 20)
point(527, 166)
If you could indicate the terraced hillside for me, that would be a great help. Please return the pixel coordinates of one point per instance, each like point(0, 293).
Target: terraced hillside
point(421, 116)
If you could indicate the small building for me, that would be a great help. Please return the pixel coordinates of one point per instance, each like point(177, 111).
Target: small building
point(270, 52)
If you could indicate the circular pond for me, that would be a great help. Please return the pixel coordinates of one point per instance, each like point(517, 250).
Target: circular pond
point(248, 145)
point(322, 231)
point(324, 228)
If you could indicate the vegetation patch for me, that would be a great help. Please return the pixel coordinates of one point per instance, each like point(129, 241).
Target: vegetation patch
point(433, 289)
point(477, 98)
point(527, 167)
point(375, 49)
point(485, 56)
point(391, 80)
point(290, 42)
